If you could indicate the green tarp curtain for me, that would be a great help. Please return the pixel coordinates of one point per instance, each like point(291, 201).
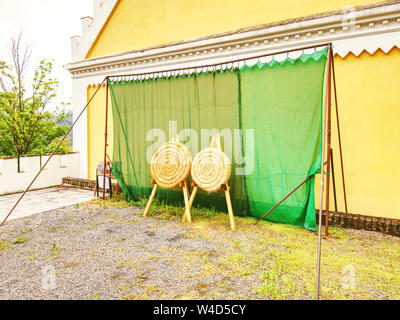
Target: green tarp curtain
point(269, 117)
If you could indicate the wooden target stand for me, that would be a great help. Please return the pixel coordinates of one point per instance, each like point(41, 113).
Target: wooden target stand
point(215, 143)
point(181, 184)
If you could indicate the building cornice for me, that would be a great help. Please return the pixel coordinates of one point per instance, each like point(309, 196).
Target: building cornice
point(366, 28)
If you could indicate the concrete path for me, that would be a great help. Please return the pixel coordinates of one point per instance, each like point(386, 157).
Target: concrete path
point(42, 200)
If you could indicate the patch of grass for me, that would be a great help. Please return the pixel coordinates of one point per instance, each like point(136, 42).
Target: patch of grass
point(96, 296)
point(339, 233)
point(166, 211)
point(109, 203)
point(150, 292)
point(277, 286)
point(67, 268)
point(202, 288)
point(24, 231)
point(123, 288)
point(128, 297)
point(118, 249)
point(120, 219)
point(54, 250)
point(98, 223)
point(19, 240)
point(54, 229)
point(205, 213)
point(153, 258)
point(140, 279)
point(4, 245)
point(236, 243)
point(139, 203)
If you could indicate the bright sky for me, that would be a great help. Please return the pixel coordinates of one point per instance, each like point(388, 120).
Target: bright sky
point(48, 25)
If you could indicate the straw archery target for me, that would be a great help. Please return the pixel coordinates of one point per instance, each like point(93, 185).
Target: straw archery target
point(211, 169)
point(171, 164)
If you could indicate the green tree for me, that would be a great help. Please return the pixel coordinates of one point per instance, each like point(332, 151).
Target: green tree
point(26, 124)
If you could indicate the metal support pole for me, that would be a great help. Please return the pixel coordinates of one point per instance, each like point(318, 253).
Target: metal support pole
point(340, 141)
point(61, 141)
point(327, 84)
point(328, 147)
point(303, 182)
point(333, 181)
point(105, 146)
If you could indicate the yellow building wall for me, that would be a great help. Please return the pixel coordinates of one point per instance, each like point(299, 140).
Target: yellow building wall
point(95, 129)
point(368, 88)
point(137, 24)
point(369, 113)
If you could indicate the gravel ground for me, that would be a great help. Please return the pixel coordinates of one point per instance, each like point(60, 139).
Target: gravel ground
point(90, 252)
point(102, 251)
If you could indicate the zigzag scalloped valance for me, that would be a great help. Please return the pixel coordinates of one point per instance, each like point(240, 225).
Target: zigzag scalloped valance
point(370, 44)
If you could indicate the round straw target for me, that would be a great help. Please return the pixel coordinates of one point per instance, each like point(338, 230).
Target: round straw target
point(211, 169)
point(171, 164)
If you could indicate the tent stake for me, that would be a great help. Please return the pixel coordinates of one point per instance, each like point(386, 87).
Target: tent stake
point(61, 141)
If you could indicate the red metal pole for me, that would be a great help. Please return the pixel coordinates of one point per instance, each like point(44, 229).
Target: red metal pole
point(328, 148)
point(333, 181)
point(304, 181)
point(105, 146)
point(61, 141)
point(338, 129)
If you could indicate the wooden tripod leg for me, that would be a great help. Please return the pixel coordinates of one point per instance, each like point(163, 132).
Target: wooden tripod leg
point(192, 196)
point(186, 197)
point(229, 205)
point(116, 191)
point(153, 193)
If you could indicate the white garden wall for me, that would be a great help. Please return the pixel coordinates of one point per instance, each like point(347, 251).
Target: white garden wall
point(59, 166)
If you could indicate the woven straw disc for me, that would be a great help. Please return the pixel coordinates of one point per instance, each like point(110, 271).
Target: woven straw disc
point(211, 169)
point(171, 164)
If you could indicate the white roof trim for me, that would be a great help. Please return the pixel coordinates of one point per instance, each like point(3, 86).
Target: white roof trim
point(350, 32)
